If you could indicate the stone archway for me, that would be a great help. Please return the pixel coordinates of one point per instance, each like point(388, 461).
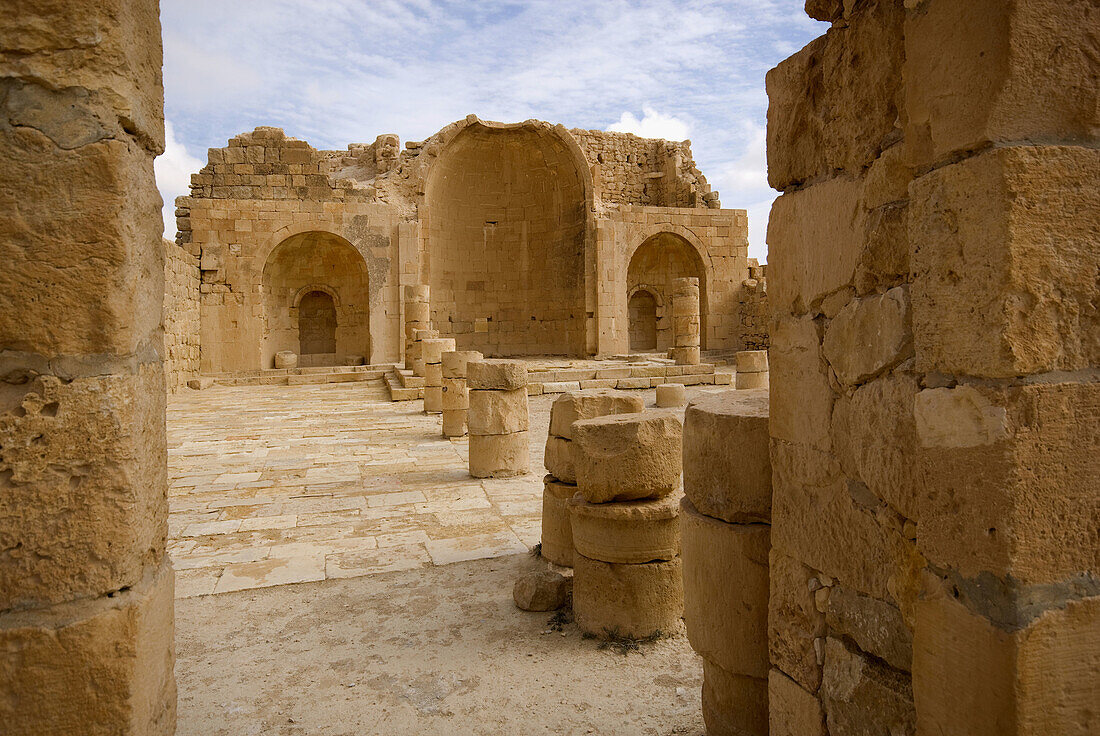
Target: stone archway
point(505, 241)
point(655, 264)
point(642, 315)
point(316, 300)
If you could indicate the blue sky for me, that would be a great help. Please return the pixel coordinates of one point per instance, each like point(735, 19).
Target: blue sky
point(334, 72)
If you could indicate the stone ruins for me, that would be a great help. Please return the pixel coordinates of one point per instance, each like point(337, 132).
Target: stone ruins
point(888, 524)
point(533, 240)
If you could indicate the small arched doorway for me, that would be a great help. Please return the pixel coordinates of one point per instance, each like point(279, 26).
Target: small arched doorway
point(316, 301)
point(653, 269)
point(643, 321)
point(316, 324)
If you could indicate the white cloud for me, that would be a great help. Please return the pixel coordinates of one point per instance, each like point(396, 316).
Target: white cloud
point(652, 125)
point(344, 71)
point(173, 170)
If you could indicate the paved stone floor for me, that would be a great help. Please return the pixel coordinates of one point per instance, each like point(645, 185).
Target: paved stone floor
point(271, 485)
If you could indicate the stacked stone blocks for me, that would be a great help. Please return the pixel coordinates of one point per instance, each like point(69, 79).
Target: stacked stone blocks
point(726, 540)
point(417, 319)
point(560, 483)
point(685, 321)
point(498, 418)
point(751, 369)
point(931, 369)
point(624, 517)
point(431, 353)
point(456, 395)
point(86, 606)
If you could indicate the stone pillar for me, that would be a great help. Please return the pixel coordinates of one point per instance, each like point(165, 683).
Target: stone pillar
point(685, 321)
point(86, 629)
point(726, 539)
point(934, 408)
point(627, 579)
point(752, 369)
point(431, 352)
point(560, 485)
point(498, 418)
point(456, 397)
point(418, 316)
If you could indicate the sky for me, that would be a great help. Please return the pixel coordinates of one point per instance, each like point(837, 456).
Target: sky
point(334, 72)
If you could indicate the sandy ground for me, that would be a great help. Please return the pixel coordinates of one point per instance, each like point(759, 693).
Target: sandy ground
point(439, 650)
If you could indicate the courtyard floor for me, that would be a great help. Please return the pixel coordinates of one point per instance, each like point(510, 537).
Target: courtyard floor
point(271, 485)
point(312, 530)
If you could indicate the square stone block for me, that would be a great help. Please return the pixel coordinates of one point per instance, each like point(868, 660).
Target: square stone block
point(989, 71)
point(83, 486)
point(78, 235)
point(1011, 479)
point(96, 667)
point(624, 457)
point(972, 677)
point(833, 103)
point(1005, 264)
point(815, 241)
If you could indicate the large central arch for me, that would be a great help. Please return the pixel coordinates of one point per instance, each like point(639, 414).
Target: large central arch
point(505, 219)
point(324, 272)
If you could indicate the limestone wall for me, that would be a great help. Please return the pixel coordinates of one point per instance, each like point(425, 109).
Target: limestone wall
point(86, 625)
point(525, 232)
point(710, 243)
point(181, 316)
point(644, 171)
point(933, 371)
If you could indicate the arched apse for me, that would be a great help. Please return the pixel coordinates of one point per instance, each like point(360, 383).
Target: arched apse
point(642, 314)
point(658, 261)
point(505, 236)
point(315, 297)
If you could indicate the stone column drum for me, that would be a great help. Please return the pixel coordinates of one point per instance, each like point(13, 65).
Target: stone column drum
point(726, 541)
point(627, 579)
point(456, 396)
point(498, 418)
point(752, 369)
point(418, 316)
point(560, 484)
point(685, 321)
point(419, 336)
point(86, 604)
point(431, 352)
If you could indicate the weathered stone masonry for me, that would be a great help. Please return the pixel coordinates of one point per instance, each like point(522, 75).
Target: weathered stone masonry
point(935, 409)
point(86, 641)
point(181, 316)
point(532, 238)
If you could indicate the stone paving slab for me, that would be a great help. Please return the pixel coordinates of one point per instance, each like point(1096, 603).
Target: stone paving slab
point(273, 485)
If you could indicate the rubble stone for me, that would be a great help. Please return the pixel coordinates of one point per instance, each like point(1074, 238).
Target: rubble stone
point(542, 590)
point(627, 456)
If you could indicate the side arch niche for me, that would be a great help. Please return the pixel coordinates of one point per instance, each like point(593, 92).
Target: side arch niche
point(316, 300)
point(655, 264)
point(504, 251)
